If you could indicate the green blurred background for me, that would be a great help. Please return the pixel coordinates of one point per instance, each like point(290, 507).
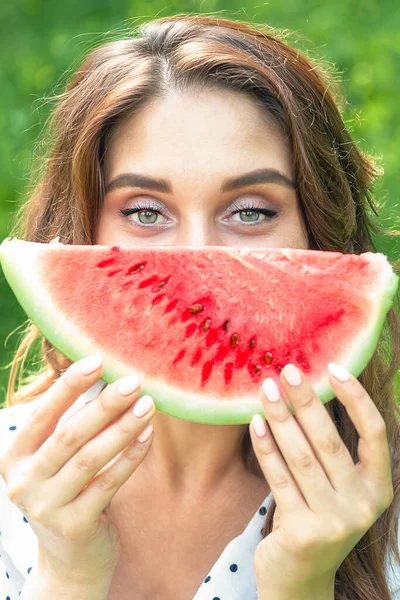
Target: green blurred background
point(42, 40)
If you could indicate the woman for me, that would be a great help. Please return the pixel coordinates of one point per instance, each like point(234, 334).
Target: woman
point(211, 511)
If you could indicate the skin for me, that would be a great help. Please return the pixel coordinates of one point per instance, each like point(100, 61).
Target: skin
point(196, 141)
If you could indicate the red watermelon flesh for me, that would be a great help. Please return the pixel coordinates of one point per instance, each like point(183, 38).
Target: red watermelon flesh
point(203, 327)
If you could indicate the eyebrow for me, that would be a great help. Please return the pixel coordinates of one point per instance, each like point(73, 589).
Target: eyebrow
point(163, 185)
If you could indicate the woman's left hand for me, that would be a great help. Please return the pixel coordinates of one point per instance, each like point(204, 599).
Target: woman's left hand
point(325, 502)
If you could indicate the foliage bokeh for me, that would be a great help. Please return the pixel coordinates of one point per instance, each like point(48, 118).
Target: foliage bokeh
point(43, 41)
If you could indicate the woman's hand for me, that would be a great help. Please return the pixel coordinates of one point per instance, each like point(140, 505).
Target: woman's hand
point(53, 475)
point(325, 502)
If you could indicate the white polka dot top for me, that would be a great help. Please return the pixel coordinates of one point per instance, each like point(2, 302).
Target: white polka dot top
point(231, 578)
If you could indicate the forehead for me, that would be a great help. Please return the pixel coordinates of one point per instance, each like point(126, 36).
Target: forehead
point(225, 129)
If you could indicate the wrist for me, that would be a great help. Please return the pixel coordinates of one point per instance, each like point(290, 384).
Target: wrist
point(42, 585)
point(74, 578)
point(313, 592)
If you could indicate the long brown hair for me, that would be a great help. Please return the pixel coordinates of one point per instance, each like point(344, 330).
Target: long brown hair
point(335, 180)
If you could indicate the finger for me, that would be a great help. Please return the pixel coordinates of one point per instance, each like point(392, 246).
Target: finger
point(373, 447)
point(296, 450)
point(76, 380)
point(276, 472)
point(321, 432)
point(97, 496)
point(82, 426)
point(97, 454)
point(277, 520)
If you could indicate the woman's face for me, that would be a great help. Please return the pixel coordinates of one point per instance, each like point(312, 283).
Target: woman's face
point(196, 146)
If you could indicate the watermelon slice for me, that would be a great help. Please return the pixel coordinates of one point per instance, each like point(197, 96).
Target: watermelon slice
point(203, 326)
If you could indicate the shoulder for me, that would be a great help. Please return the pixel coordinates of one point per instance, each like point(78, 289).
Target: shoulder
point(17, 539)
point(27, 398)
point(12, 418)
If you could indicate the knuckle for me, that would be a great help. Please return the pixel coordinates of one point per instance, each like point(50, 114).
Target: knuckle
point(107, 481)
point(282, 416)
point(105, 400)
point(268, 449)
point(36, 416)
point(357, 391)
point(332, 444)
point(15, 492)
point(281, 482)
point(38, 513)
point(134, 452)
point(365, 516)
point(339, 531)
point(305, 461)
point(377, 429)
point(85, 461)
point(69, 381)
point(69, 522)
point(125, 425)
point(70, 531)
point(305, 541)
point(66, 436)
point(307, 400)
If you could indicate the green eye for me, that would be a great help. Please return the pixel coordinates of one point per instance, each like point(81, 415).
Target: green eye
point(147, 216)
point(248, 215)
point(252, 215)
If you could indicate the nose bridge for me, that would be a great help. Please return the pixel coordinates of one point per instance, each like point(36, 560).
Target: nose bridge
point(196, 230)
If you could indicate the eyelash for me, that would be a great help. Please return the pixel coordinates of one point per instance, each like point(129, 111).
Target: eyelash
point(126, 212)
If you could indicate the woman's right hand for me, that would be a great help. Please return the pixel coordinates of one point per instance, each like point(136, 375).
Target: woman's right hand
point(53, 475)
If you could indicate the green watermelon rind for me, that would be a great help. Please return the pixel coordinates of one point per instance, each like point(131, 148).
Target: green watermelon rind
point(18, 263)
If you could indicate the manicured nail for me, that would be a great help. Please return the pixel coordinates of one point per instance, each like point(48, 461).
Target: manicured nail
point(142, 406)
point(146, 433)
point(89, 364)
point(128, 385)
point(271, 390)
point(259, 425)
point(339, 372)
point(292, 375)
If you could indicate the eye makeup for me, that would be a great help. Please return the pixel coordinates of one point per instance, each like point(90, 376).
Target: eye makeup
point(243, 206)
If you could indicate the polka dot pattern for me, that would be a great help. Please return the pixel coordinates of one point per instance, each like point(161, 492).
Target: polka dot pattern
point(231, 578)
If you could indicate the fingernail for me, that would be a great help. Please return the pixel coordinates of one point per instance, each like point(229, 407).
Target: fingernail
point(146, 433)
point(271, 390)
point(259, 425)
point(89, 364)
point(128, 385)
point(142, 406)
point(292, 375)
point(339, 372)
